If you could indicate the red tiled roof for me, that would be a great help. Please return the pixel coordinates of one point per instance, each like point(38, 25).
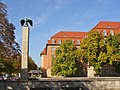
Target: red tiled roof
point(69, 34)
point(43, 52)
point(102, 25)
point(118, 30)
point(62, 35)
point(107, 24)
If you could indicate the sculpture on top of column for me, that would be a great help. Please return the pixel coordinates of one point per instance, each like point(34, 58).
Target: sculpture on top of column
point(25, 48)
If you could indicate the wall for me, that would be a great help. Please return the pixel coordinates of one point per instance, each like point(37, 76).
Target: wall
point(49, 59)
point(80, 83)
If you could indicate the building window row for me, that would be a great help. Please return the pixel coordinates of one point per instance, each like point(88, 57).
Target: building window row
point(105, 32)
point(78, 41)
point(54, 41)
point(111, 32)
point(60, 41)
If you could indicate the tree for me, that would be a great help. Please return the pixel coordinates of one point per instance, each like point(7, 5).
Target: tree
point(113, 48)
point(9, 48)
point(10, 53)
point(31, 64)
point(97, 51)
point(65, 62)
point(113, 51)
point(91, 50)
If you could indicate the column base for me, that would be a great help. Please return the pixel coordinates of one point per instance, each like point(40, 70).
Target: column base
point(24, 74)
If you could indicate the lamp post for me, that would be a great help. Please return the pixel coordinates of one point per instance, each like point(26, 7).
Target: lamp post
point(25, 48)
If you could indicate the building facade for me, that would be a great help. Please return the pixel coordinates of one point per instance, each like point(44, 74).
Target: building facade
point(104, 27)
point(54, 42)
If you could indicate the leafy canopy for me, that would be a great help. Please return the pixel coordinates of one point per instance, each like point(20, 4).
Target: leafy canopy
point(97, 50)
point(91, 50)
point(65, 62)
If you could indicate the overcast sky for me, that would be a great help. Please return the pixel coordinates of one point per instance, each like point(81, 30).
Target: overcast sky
point(52, 16)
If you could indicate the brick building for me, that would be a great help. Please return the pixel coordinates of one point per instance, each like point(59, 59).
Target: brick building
point(103, 27)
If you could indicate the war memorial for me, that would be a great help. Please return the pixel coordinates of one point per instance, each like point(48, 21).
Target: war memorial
point(55, 83)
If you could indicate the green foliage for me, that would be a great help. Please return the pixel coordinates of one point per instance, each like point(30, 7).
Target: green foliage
point(113, 48)
point(9, 48)
point(31, 64)
point(92, 50)
point(117, 67)
point(66, 61)
point(113, 51)
point(97, 50)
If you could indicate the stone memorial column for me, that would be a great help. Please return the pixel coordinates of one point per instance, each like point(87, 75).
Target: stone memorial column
point(25, 53)
point(25, 47)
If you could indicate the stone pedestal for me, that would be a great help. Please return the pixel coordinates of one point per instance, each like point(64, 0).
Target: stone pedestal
point(25, 53)
point(24, 74)
point(90, 71)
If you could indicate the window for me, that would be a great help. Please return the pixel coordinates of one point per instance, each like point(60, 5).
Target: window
point(52, 49)
point(108, 26)
point(59, 41)
point(53, 41)
point(104, 32)
point(78, 41)
point(53, 56)
point(65, 35)
point(77, 35)
point(111, 32)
